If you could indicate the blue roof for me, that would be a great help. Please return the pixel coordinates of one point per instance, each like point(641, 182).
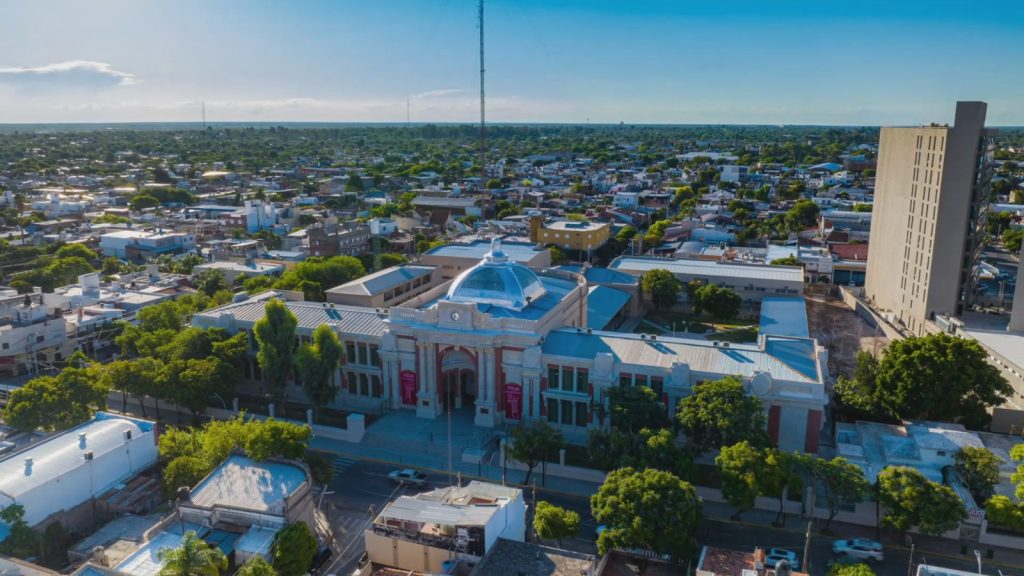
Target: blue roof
point(603, 303)
point(784, 316)
point(601, 275)
point(781, 357)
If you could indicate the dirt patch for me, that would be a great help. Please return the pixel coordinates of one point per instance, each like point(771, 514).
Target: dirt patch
point(842, 332)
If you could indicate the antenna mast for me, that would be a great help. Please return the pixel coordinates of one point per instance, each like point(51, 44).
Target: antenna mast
point(483, 134)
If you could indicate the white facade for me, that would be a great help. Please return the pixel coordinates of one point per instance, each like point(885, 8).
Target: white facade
point(259, 216)
point(124, 243)
point(68, 469)
point(383, 226)
point(627, 200)
point(733, 173)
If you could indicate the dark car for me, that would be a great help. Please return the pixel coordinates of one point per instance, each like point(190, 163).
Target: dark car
point(319, 559)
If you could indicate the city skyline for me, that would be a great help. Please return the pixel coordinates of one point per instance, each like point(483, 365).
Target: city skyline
point(602, 62)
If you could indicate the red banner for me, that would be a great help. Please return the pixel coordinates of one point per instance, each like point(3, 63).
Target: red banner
point(407, 379)
point(513, 401)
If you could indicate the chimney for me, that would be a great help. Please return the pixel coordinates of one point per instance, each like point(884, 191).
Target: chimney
point(28, 466)
point(81, 439)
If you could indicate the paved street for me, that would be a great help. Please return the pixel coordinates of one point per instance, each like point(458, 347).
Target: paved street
point(358, 484)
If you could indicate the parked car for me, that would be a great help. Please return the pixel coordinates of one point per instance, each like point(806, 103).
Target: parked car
point(859, 548)
point(408, 476)
point(773, 556)
point(323, 554)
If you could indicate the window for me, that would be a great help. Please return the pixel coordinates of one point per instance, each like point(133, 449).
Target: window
point(553, 410)
point(567, 378)
point(582, 382)
point(374, 356)
point(7, 345)
point(640, 380)
point(581, 414)
point(376, 389)
point(350, 352)
point(553, 377)
point(658, 385)
point(625, 380)
point(364, 385)
point(567, 412)
point(352, 383)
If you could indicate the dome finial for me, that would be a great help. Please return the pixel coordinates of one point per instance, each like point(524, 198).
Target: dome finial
point(495, 255)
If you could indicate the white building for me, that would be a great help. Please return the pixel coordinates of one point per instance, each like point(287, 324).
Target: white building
point(68, 469)
point(56, 206)
point(233, 270)
point(422, 532)
point(627, 200)
point(139, 245)
point(734, 173)
point(383, 226)
point(259, 216)
point(27, 326)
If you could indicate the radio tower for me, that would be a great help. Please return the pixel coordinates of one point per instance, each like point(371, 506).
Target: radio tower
point(483, 134)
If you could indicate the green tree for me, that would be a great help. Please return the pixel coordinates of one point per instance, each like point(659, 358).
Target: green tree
point(493, 184)
point(143, 201)
point(1012, 239)
point(721, 413)
point(626, 234)
point(844, 485)
point(979, 469)
point(551, 522)
point(911, 500)
point(635, 407)
point(277, 438)
point(196, 382)
point(802, 215)
point(323, 273)
point(256, 566)
point(740, 467)
point(851, 570)
point(22, 541)
point(721, 303)
point(787, 261)
point(193, 558)
point(293, 550)
point(111, 266)
point(184, 471)
point(210, 281)
point(316, 364)
point(650, 509)
point(558, 256)
point(275, 334)
point(133, 378)
point(56, 402)
point(533, 443)
point(935, 377)
point(662, 287)
point(75, 251)
point(354, 184)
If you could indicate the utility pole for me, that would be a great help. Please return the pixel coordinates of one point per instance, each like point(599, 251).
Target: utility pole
point(483, 134)
point(810, 528)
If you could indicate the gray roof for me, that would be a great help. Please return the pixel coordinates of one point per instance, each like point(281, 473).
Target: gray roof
point(603, 303)
point(710, 269)
point(413, 509)
point(784, 316)
point(383, 280)
point(531, 560)
point(344, 319)
point(517, 251)
point(738, 359)
point(242, 482)
point(444, 202)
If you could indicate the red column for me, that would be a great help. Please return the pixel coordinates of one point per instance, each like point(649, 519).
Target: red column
point(773, 424)
point(813, 434)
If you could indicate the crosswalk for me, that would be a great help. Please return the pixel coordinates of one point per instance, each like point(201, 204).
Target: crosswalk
point(339, 464)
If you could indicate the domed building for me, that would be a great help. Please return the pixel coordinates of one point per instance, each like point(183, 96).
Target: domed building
point(509, 343)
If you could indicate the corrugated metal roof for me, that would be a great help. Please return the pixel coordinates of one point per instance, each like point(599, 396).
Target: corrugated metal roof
point(344, 319)
point(242, 482)
point(412, 509)
point(383, 280)
point(256, 540)
point(517, 251)
point(710, 269)
point(738, 359)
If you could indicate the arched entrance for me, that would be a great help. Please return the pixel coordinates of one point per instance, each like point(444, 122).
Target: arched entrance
point(458, 379)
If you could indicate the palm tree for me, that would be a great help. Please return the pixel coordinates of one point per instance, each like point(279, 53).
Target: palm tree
point(193, 558)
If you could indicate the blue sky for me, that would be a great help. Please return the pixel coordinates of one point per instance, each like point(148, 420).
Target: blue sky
point(786, 61)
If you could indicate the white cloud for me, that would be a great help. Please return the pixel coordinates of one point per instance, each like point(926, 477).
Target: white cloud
point(440, 93)
point(82, 73)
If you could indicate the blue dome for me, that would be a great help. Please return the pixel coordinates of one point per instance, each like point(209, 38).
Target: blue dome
point(497, 281)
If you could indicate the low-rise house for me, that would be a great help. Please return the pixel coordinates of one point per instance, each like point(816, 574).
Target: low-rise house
point(424, 531)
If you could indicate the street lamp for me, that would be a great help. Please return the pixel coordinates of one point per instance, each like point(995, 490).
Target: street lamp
point(977, 555)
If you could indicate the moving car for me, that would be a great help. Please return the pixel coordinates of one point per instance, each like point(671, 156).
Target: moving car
point(859, 548)
point(774, 555)
point(408, 476)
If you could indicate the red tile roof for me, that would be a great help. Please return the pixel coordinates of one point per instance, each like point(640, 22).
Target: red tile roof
point(851, 251)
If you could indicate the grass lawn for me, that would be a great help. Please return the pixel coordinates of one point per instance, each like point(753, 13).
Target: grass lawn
point(738, 335)
point(696, 324)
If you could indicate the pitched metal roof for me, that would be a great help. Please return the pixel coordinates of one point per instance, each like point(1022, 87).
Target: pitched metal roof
point(710, 269)
point(344, 319)
point(603, 303)
point(383, 280)
point(737, 359)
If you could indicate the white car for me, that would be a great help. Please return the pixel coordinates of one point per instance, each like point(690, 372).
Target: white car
point(859, 548)
point(408, 476)
point(774, 555)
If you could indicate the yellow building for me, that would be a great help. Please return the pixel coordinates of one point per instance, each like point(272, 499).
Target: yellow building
point(570, 234)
